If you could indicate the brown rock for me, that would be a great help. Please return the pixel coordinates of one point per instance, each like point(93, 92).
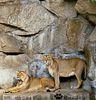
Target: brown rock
point(74, 27)
point(10, 44)
point(77, 30)
point(92, 37)
point(61, 95)
point(16, 60)
point(61, 8)
point(29, 18)
point(84, 6)
point(92, 18)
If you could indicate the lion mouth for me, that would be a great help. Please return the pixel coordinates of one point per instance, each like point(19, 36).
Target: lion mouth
point(19, 80)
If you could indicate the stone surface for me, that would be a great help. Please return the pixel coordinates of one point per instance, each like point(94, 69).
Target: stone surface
point(11, 2)
point(58, 95)
point(61, 8)
point(63, 34)
point(84, 6)
point(10, 44)
point(91, 18)
point(92, 50)
point(26, 17)
point(46, 26)
point(88, 9)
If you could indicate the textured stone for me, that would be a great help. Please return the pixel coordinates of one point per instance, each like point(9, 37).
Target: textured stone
point(91, 18)
point(52, 36)
point(15, 61)
point(58, 95)
point(10, 44)
point(61, 8)
point(64, 34)
point(26, 17)
point(11, 2)
point(92, 37)
point(45, 26)
point(84, 6)
point(91, 48)
point(78, 29)
point(6, 0)
point(87, 9)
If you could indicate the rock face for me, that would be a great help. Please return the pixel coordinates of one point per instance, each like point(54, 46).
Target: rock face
point(26, 17)
point(62, 95)
point(87, 8)
point(29, 27)
point(9, 44)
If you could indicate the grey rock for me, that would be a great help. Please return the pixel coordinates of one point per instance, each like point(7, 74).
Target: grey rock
point(10, 44)
point(61, 36)
point(64, 94)
point(61, 8)
point(16, 60)
point(87, 9)
point(87, 85)
point(37, 68)
point(29, 18)
point(92, 18)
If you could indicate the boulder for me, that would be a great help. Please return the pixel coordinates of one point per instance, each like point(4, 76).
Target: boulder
point(61, 8)
point(91, 55)
point(16, 60)
point(84, 6)
point(88, 9)
point(29, 18)
point(91, 18)
point(64, 35)
point(9, 44)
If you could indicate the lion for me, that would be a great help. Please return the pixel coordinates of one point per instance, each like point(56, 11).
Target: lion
point(65, 68)
point(29, 84)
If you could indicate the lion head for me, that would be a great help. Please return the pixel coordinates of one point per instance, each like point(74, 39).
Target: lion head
point(48, 59)
point(21, 76)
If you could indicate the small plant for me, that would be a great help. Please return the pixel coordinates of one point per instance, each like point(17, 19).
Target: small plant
point(92, 1)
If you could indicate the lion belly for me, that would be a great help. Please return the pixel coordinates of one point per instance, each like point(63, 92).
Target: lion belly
point(66, 74)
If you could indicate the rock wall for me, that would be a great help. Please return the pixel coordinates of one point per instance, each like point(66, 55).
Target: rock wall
point(29, 27)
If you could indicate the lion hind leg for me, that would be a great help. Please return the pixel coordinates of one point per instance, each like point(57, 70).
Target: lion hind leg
point(79, 81)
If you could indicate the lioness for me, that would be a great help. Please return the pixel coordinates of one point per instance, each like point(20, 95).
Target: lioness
point(65, 68)
point(28, 84)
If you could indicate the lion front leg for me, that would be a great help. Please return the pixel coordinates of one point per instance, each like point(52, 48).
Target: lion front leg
point(57, 81)
point(12, 90)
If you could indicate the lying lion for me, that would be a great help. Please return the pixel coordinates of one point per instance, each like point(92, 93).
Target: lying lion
point(65, 68)
point(28, 84)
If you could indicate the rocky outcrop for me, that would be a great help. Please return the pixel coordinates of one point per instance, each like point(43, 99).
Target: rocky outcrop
point(26, 17)
point(87, 8)
point(9, 44)
point(60, 8)
point(28, 27)
point(62, 95)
